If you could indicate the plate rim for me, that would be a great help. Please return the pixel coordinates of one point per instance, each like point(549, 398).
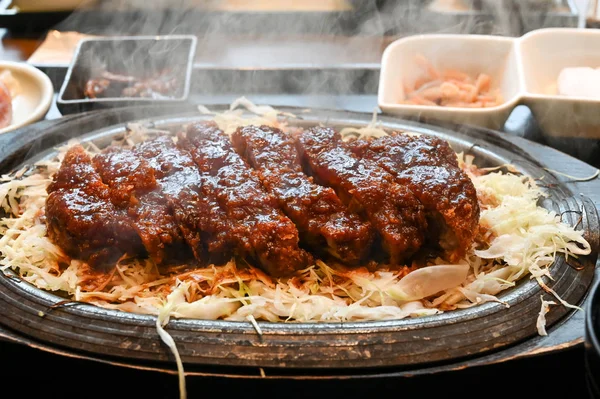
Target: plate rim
point(248, 332)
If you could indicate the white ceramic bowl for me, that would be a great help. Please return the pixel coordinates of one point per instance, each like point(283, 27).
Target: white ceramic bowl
point(525, 69)
point(35, 96)
point(544, 53)
point(471, 54)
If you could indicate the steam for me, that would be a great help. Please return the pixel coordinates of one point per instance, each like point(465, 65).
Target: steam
point(264, 50)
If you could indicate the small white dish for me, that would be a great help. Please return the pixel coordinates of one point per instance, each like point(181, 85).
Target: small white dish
point(472, 54)
point(544, 54)
point(34, 98)
point(525, 69)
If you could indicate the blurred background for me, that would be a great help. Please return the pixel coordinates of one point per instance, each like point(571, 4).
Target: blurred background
point(305, 53)
point(328, 51)
point(267, 33)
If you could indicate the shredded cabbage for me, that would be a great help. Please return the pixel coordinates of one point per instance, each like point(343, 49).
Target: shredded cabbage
point(428, 281)
point(373, 129)
point(517, 239)
point(541, 320)
point(237, 115)
point(520, 239)
point(163, 318)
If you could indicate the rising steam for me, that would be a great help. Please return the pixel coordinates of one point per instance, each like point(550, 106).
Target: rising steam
point(265, 48)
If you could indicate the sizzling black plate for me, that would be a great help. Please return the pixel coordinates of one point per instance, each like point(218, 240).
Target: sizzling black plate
point(482, 334)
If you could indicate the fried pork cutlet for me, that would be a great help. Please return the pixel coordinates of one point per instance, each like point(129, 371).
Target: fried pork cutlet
point(262, 230)
point(429, 168)
point(321, 218)
point(203, 224)
point(81, 218)
point(392, 209)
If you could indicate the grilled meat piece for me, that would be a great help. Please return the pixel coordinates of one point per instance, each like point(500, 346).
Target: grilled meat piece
point(133, 185)
point(80, 217)
point(320, 216)
point(262, 230)
point(205, 227)
point(200, 197)
point(160, 84)
point(125, 174)
point(403, 151)
point(392, 209)
point(95, 88)
point(429, 168)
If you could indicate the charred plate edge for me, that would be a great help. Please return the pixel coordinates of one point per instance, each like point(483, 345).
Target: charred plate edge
point(408, 343)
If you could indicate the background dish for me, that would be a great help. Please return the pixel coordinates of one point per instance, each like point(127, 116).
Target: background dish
point(525, 68)
point(463, 53)
point(569, 123)
point(35, 97)
point(132, 56)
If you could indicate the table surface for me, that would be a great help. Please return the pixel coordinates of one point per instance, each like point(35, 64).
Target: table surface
point(552, 375)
